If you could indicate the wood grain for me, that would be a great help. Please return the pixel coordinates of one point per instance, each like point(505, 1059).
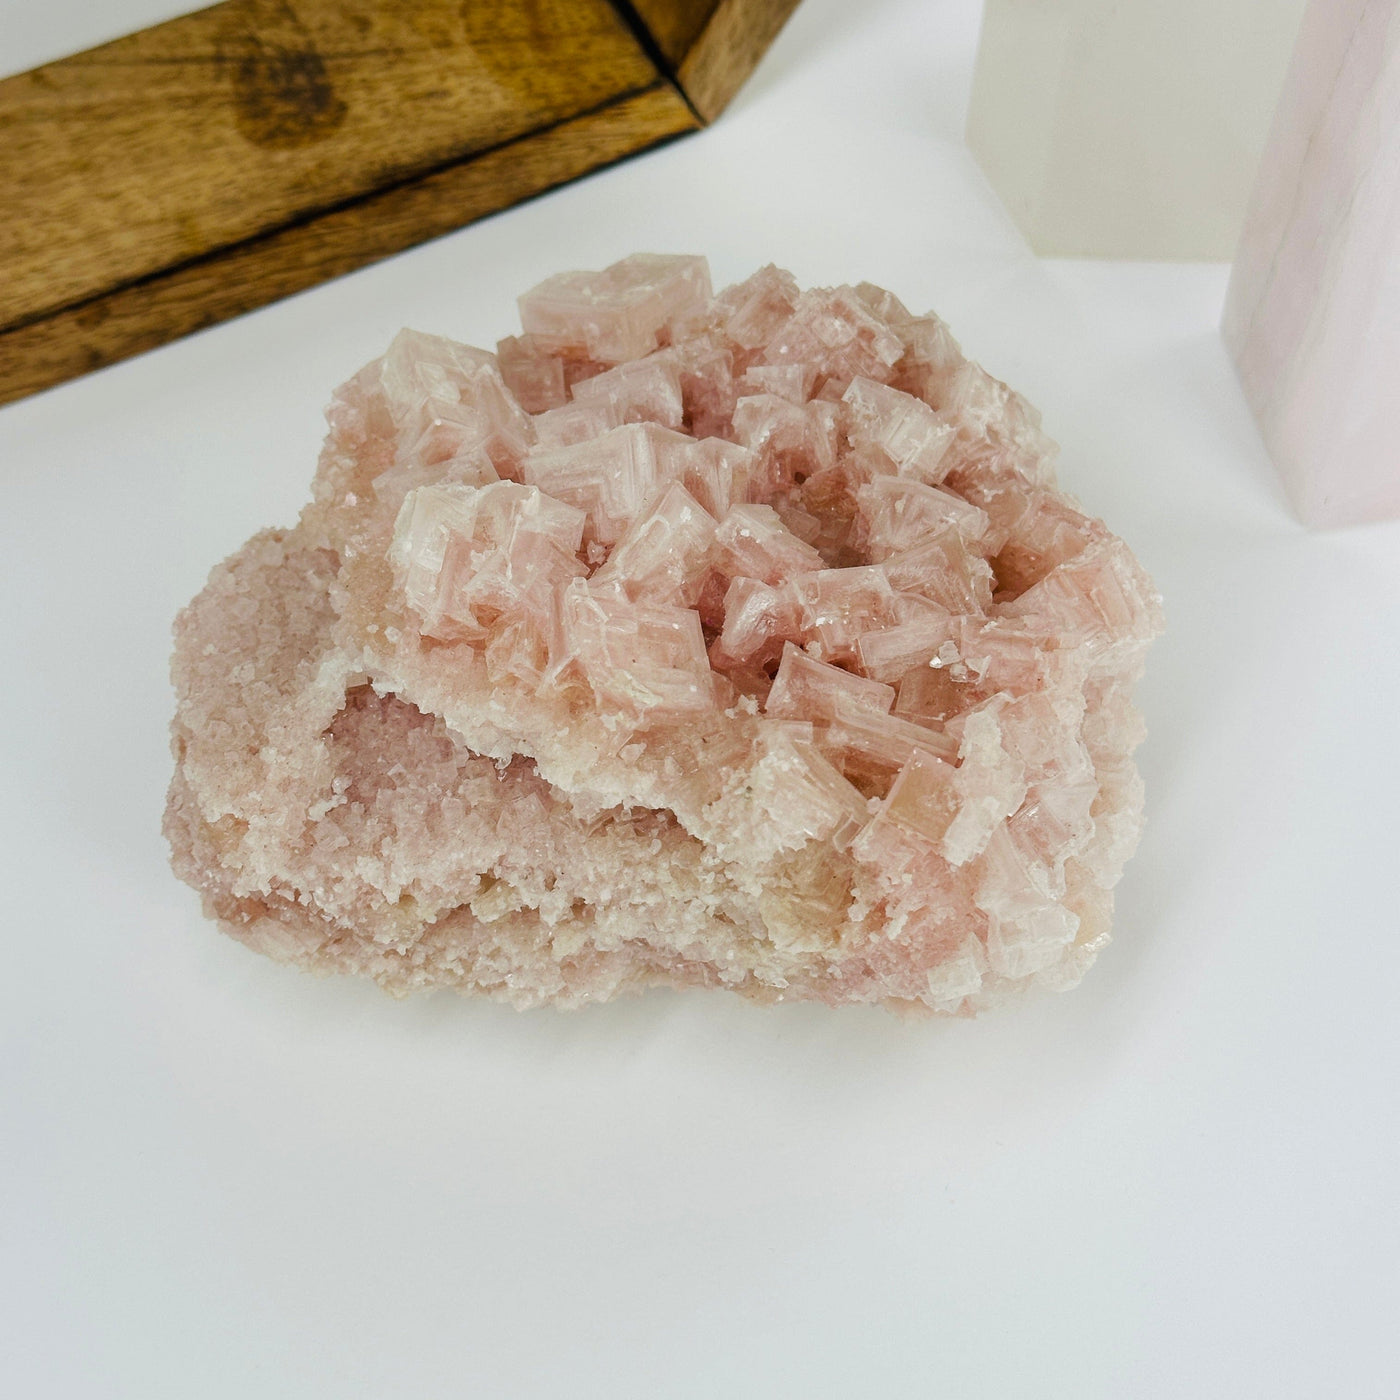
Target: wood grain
point(204, 167)
point(224, 124)
point(737, 34)
point(238, 279)
point(674, 24)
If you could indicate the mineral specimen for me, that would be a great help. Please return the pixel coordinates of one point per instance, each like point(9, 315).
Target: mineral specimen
point(735, 641)
point(1127, 130)
point(1312, 315)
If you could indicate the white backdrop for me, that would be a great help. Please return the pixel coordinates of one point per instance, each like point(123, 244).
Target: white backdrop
point(221, 1178)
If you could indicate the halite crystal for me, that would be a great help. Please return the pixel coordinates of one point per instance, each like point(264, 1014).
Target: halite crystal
point(617, 314)
point(736, 640)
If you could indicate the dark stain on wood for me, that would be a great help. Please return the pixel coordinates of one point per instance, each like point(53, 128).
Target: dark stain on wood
point(282, 92)
point(199, 169)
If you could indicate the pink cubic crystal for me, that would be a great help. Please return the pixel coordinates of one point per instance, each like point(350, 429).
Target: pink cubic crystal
point(737, 641)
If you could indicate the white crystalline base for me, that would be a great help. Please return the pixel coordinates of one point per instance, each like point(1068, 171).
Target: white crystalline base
point(760, 652)
point(1127, 130)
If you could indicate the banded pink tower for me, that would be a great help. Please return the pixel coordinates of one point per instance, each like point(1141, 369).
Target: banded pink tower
point(1312, 316)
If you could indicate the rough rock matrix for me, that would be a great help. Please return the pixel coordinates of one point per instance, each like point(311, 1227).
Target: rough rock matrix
point(734, 641)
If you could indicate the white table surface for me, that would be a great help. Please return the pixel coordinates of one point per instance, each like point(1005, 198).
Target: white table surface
point(223, 1178)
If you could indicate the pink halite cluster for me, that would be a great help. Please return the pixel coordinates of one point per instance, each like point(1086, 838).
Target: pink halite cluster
point(737, 641)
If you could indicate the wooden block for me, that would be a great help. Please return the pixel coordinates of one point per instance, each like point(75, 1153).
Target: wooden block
point(221, 125)
point(674, 25)
point(230, 281)
point(711, 46)
point(735, 36)
point(201, 168)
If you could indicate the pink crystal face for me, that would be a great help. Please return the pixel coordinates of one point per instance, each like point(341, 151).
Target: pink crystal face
point(733, 641)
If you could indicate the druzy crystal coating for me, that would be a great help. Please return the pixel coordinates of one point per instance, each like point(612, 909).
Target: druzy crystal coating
point(735, 641)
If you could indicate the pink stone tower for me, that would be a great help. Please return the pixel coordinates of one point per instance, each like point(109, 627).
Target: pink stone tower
point(1312, 315)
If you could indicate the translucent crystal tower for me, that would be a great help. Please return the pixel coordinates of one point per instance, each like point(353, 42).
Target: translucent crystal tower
point(1127, 130)
point(1312, 316)
point(730, 641)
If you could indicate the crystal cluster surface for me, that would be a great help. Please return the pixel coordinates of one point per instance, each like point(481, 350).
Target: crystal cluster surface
point(737, 640)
